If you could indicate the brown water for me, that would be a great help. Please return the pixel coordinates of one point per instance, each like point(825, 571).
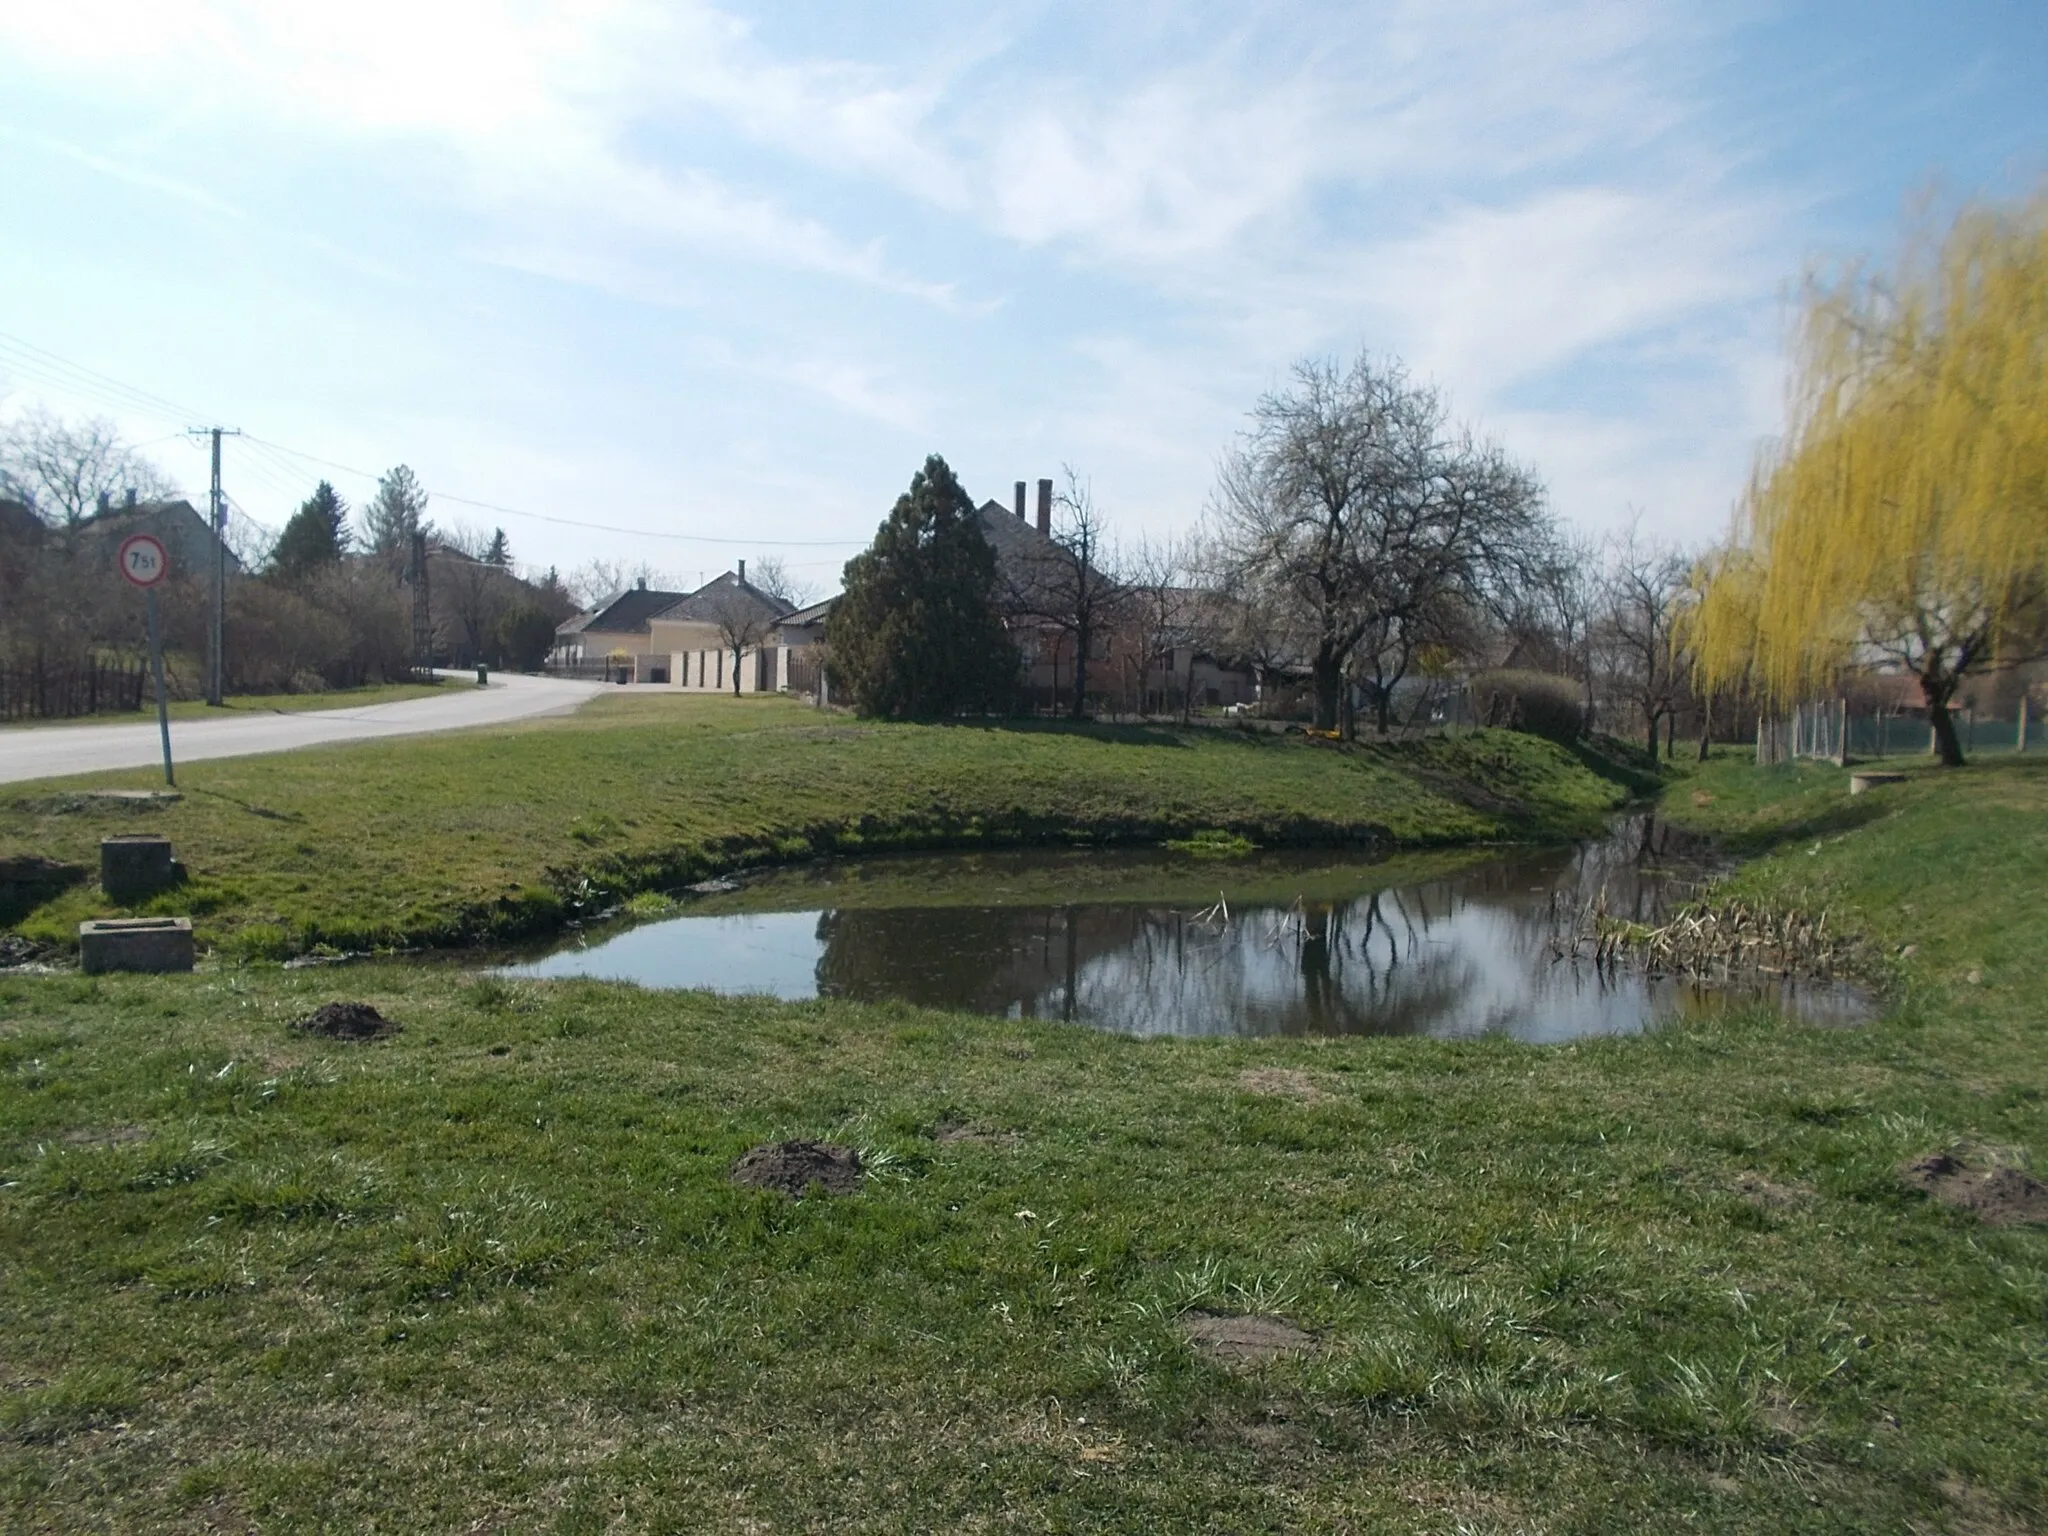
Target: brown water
point(1157, 942)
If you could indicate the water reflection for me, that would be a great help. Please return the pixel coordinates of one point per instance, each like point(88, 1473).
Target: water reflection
point(1464, 952)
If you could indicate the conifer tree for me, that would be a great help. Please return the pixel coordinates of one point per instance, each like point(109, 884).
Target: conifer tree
point(916, 634)
point(317, 535)
point(396, 513)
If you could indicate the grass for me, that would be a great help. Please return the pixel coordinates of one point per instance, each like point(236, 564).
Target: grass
point(252, 703)
point(493, 834)
point(489, 1274)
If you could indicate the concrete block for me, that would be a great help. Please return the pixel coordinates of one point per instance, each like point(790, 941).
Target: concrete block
point(135, 944)
point(134, 867)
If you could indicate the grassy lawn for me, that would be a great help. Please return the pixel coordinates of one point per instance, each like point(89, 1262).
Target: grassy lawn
point(254, 703)
point(489, 1274)
point(494, 833)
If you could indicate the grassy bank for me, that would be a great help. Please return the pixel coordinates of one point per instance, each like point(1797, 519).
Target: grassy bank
point(495, 833)
point(489, 1273)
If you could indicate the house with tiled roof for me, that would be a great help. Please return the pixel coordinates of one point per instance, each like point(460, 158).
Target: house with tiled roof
point(725, 637)
point(614, 635)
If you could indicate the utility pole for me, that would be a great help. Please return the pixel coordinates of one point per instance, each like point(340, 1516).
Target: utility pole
point(217, 569)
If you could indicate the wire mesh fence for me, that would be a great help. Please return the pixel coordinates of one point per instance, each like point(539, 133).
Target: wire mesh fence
point(1835, 730)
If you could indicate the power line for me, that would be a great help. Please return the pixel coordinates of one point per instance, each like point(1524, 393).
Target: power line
point(50, 368)
point(571, 522)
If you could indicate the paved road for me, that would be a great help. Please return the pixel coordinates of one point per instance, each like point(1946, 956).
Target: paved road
point(39, 752)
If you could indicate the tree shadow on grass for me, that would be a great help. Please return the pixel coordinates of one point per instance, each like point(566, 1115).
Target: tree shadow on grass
point(1094, 730)
point(1827, 820)
point(250, 806)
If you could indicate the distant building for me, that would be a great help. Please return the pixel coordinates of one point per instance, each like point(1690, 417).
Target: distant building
point(613, 635)
point(697, 637)
point(182, 528)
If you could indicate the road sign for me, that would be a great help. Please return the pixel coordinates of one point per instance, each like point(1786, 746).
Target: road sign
point(142, 560)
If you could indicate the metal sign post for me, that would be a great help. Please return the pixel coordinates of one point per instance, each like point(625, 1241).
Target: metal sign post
point(144, 563)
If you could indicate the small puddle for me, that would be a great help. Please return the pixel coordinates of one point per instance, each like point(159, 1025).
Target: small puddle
point(1160, 943)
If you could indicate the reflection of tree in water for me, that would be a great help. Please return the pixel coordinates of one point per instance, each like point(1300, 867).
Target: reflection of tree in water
point(1458, 955)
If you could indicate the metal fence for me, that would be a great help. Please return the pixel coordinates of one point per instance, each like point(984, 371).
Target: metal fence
point(1836, 731)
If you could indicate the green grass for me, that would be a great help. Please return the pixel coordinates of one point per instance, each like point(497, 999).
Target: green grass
point(489, 1274)
point(254, 703)
point(493, 834)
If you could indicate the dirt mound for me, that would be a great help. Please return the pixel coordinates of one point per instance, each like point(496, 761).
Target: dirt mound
point(1252, 1339)
point(347, 1021)
point(2000, 1196)
point(792, 1167)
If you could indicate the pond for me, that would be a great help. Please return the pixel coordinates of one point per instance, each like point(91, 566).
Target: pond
point(1162, 943)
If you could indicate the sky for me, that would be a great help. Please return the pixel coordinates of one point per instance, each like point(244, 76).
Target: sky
point(700, 282)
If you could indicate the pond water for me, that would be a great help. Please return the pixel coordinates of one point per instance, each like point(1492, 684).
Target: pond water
point(1157, 942)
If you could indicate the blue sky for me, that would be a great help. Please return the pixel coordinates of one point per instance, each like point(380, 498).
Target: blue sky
point(728, 274)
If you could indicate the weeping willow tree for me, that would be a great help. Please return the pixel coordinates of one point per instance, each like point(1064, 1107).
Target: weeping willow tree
point(1903, 518)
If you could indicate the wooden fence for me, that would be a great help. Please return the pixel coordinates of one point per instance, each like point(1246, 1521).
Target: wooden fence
point(37, 688)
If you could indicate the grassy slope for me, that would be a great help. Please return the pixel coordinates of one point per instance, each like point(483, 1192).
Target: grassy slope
point(489, 1273)
point(491, 832)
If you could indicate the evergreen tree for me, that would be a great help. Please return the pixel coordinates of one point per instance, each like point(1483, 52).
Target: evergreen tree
point(500, 552)
point(916, 634)
point(317, 535)
point(396, 513)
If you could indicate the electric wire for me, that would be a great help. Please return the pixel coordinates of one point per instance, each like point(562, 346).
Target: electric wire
point(75, 378)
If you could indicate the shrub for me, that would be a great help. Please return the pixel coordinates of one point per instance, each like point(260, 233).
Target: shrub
point(1538, 703)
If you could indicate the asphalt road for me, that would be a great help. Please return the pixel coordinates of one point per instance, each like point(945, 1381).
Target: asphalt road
point(43, 752)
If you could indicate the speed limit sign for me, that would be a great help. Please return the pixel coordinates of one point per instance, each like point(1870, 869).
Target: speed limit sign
point(143, 561)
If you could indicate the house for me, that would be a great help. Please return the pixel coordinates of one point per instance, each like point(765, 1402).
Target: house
point(613, 637)
point(178, 525)
point(724, 637)
point(1135, 662)
point(802, 637)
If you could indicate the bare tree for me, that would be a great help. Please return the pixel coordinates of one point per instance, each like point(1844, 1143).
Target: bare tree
point(1354, 504)
point(64, 471)
point(1072, 585)
point(744, 617)
point(1642, 593)
point(772, 576)
point(595, 580)
point(1166, 613)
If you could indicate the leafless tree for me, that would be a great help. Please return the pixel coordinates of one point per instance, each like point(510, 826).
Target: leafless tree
point(1642, 592)
point(745, 619)
point(771, 574)
point(1073, 585)
point(1354, 505)
point(1166, 613)
point(595, 580)
point(64, 471)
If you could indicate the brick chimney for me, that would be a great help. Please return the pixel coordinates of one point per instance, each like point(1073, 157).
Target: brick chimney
point(743, 573)
point(1020, 501)
point(1045, 507)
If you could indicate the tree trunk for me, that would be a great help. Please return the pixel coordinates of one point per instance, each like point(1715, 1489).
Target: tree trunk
point(1947, 747)
point(1937, 690)
point(1080, 704)
point(1706, 727)
point(1383, 710)
point(1653, 735)
point(1329, 680)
